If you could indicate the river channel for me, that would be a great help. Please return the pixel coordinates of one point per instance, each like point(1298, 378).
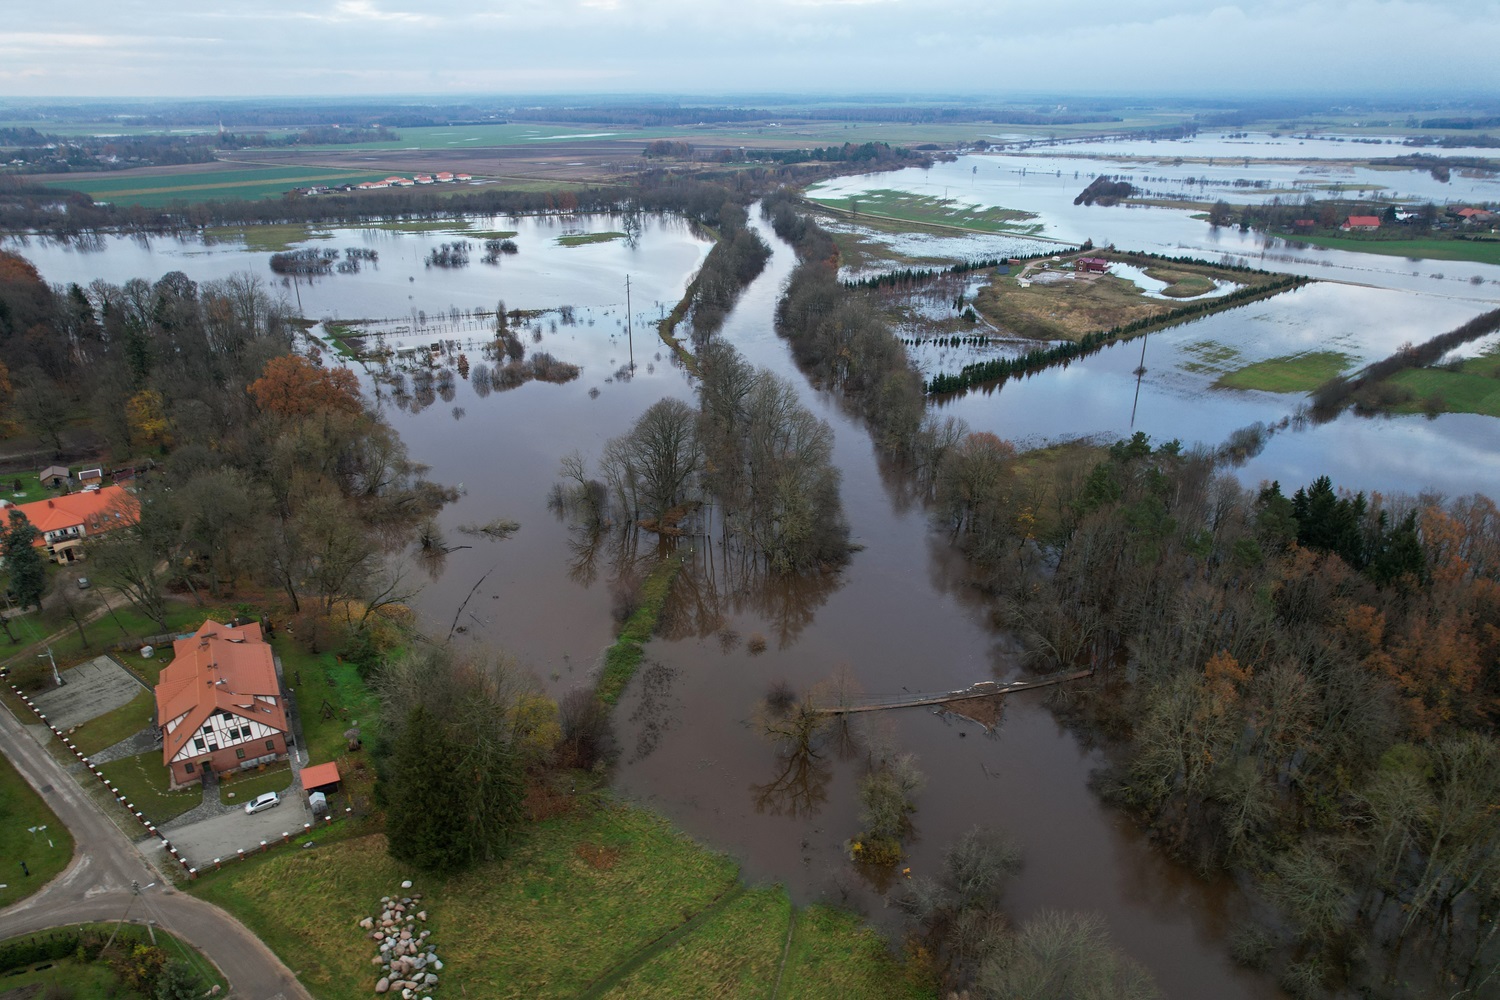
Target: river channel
point(899, 617)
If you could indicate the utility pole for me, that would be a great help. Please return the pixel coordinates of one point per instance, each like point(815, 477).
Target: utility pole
point(629, 336)
point(56, 677)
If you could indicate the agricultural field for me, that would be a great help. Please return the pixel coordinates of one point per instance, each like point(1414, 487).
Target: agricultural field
point(159, 189)
point(604, 901)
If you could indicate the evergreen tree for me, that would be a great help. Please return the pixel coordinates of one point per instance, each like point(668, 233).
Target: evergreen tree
point(28, 576)
point(428, 802)
point(178, 982)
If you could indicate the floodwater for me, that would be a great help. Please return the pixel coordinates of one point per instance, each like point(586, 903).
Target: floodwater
point(899, 617)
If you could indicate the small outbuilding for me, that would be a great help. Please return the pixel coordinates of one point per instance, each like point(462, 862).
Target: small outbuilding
point(321, 778)
point(55, 476)
point(1361, 224)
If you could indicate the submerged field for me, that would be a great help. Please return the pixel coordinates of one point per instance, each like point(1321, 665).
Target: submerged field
point(928, 211)
point(1479, 251)
point(1299, 373)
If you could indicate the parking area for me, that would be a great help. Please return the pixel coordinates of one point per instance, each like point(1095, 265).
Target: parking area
point(89, 690)
point(223, 835)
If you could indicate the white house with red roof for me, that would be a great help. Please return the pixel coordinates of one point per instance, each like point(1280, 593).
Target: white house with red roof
point(219, 704)
point(64, 522)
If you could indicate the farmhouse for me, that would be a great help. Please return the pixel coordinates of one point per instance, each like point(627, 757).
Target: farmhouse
point(1094, 265)
point(1361, 224)
point(64, 522)
point(219, 703)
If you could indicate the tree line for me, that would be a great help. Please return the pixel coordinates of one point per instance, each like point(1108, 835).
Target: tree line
point(1301, 690)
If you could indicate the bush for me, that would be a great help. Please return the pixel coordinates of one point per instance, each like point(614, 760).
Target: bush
point(588, 735)
point(1251, 946)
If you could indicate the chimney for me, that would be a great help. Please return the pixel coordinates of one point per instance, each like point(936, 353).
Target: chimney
point(51, 504)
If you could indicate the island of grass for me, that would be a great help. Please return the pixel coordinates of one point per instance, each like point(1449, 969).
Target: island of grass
point(1051, 300)
point(583, 239)
point(883, 206)
point(1471, 386)
point(1299, 373)
point(604, 901)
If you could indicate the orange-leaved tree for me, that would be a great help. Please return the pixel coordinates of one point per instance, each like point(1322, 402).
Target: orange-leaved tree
point(292, 386)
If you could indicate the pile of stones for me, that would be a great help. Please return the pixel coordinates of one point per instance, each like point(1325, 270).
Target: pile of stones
point(408, 961)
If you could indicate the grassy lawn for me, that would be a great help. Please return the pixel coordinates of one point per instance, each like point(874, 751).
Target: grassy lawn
point(112, 727)
point(735, 953)
point(23, 809)
point(1181, 284)
point(236, 788)
point(1473, 388)
point(1486, 252)
point(157, 190)
point(117, 626)
point(622, 658)
point(833, 956)
point(316, 678)
point(929, 211)
point(583, 239)
point(31, 487)
point(1294, 373)
point(143, 780)
point(586, 905)
point(1066, 310)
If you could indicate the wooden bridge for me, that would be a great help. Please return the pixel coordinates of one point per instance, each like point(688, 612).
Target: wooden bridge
point(984, 689)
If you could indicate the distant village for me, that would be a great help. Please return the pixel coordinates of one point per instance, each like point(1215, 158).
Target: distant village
point(394, 181)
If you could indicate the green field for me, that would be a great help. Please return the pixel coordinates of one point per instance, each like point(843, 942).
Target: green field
point(1473, 388)
point(1300, 373)
point(928, 211)
point(237, 789)
point(584, 239)
point(144, 781)
point(45, 852)
point(157, 190)
point(606, 901)
point(1486, 252)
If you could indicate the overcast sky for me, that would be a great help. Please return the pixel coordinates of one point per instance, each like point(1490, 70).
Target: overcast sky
point(378, 47)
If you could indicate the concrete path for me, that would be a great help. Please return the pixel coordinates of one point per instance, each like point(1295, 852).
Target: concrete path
point(96, 886)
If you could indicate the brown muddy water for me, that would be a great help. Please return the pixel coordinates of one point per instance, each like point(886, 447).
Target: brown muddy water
point(897, 618)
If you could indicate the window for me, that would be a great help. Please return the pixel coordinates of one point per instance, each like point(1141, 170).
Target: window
point(244, 732)
point(191, 767)
point(199, 745)
point(240, 754)
point(270, 744)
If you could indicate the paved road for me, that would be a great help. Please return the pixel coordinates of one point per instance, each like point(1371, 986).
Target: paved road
point(96, 886)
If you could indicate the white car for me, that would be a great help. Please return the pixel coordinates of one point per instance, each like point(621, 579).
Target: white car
point(269, 800)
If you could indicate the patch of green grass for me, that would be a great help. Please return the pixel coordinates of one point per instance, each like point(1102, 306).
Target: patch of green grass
point(455, 226)
point(115, 725)
point(269, 238)
point(1480, 251)
point(583, 239)
point(1298, 373)
point(929, 211)
point(237, 788)
point(144, 781)
point(578, 895)
point(316, 678)
point(30, 488)
point(493, 234)
point(23, 809)
point(622, 658)
point(735, 953)
point(833, 957)
point(1474, 387)
point(1181, 284)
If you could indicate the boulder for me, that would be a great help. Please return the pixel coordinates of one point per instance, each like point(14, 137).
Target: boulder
point(368, 923)
point(422, 915)
point(382, 985)
point(406, 884)
point(429, 980)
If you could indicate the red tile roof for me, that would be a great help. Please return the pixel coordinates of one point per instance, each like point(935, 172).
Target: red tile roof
point(95, 511)
point(318, 775)
point(1355, 221)
point(217, 668)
